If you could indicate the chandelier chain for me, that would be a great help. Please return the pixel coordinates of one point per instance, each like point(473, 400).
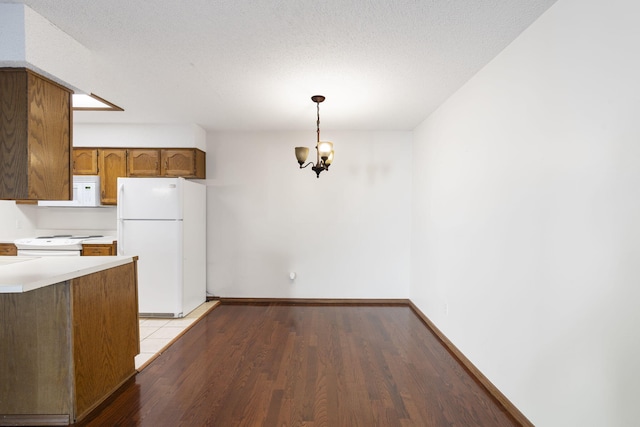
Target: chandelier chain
point(318, 121)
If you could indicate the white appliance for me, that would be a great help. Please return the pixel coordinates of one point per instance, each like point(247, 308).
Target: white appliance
point(57, 245)
point(163, 222)
point(86, 193)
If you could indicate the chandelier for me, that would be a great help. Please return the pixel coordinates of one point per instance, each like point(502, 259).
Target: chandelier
point(324, 149)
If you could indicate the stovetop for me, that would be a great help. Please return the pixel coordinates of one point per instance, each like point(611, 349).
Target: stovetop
point(68, 236)
point(54, 242)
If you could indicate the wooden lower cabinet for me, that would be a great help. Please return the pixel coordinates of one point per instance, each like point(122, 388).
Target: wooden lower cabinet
point(67, 347)
point(8, 249)
point(99, 249)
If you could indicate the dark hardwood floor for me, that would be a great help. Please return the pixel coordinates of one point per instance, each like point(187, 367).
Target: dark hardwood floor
point(304, 365)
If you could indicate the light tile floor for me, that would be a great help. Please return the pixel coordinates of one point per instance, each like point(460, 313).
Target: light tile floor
point(158, 334)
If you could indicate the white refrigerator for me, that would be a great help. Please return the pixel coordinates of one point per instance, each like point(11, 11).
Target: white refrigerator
point(163, 222)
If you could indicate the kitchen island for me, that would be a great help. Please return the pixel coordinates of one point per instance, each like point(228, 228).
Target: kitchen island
point(68, 335)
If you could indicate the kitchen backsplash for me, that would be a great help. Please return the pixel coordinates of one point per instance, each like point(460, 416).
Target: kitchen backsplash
point(16, 221)
point(29, 220)
point(100, 221)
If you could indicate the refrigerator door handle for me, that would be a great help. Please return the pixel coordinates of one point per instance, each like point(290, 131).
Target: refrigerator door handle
point(120, 202)
point(121, 250)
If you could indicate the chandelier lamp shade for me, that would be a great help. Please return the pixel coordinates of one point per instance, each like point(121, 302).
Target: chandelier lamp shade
point(324, 149)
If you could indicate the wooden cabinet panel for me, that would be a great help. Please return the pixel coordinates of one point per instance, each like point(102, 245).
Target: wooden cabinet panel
point(89, 249)
point(143, 162)
point(85, 161)
point(8, 249)
point(14, 145)
point(112, 164)
point(66, 347)
point(107, 302)
point(36, 354)
point(35, 137)
point(184, 162)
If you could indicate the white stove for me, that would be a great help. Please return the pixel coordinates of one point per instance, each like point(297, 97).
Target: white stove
point(56, 245)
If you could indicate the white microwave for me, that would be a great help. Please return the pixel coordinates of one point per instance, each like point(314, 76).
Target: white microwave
point(86, 193)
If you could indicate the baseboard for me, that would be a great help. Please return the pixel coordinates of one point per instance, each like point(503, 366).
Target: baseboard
point(34, 420)
point(315, 301)
point(500, 398)
point(472, 370)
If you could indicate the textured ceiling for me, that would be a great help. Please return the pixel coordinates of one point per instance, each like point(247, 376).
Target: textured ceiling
point(253, 65)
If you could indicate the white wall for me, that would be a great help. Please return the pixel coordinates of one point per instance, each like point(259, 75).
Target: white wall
point(526, 217)
point(346, 234)
point(25, 220)
point(16, 220)
point(138, 135)
point(77, 221)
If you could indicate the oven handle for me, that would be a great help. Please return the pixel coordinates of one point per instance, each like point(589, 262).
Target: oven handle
point(44, 252)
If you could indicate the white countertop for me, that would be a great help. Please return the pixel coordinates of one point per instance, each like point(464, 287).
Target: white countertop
point(24, 273)
point(106, 240)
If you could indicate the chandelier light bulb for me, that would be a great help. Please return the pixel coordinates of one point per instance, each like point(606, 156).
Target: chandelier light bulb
point(325, 148)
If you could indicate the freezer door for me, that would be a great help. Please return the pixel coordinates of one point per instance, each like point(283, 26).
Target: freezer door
point(158, 245)
point(150, 198)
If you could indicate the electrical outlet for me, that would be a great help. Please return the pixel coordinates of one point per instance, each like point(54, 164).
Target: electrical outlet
point(446, 309)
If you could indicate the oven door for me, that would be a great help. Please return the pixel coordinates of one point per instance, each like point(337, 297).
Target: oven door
point(44, 252)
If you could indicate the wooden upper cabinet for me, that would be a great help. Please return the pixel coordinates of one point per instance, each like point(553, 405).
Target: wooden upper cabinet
point(85, 161)
point(143, 162)
point(112, 163)
point(184, 162)
point(35, 137)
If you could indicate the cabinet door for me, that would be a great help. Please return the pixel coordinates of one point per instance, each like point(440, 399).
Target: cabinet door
point(85, 161)
point(89, 249)
point(143, 162)
point(8, 249)
point(184, 162)
point(35, 145)
point(49, 140)
point(105, 334)
point(112, 164)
